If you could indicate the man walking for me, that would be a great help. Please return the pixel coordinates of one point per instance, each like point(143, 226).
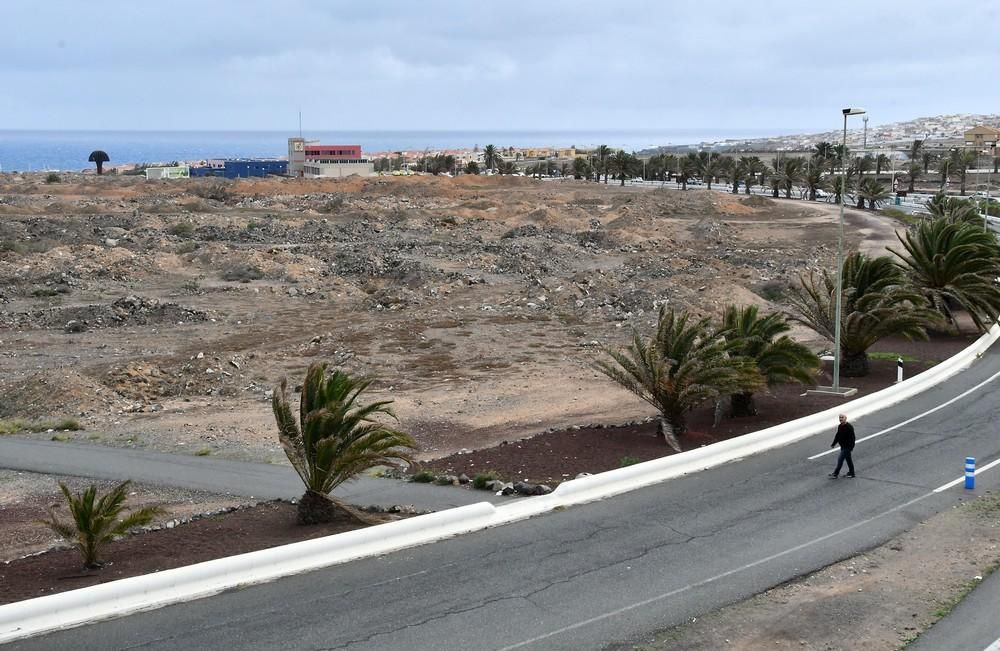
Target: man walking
point(845, 438)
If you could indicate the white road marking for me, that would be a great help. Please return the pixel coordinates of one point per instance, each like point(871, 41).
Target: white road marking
point(667, 595)
point(962, 478)
point(917, 417)
point(995, 646)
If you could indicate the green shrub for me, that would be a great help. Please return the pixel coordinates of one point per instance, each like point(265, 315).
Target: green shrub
point(186, 247)
point(181, 229)
point(53, 178)
point(15, 425)
point(630, 461)
point(772, 290)
point(423, 477)
point(482, 479)
point(242, 272)
point(203, 452)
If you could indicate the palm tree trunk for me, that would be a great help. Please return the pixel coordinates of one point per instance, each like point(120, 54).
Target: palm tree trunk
point(861, 203)
point(854, 364)
point(666, 430)
point(912, 180)
point(742, 405)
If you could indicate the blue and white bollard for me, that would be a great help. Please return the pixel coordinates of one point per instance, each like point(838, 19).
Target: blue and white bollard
point(970, 472)
point(899, 369)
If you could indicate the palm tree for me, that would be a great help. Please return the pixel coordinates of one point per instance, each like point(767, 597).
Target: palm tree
point(814, 180)
point(681, 366)
point(841, 186)
point(99, 158)
point(953, 209)
point(945, 168)
point(620, 164)
point(779, 359)
point(581, 168)
point(750, 167)
point(954, 264)
point(603, 155)
point(791, 173)
point(926, 158)
point(96, 524)
point(877, 302)
point(916, 149)
point(961, 161)
point(335, 438)
point(490, 157)
point(708, 167)
point(825, 151)
point(881, 161)
point(914, 171)
point(873, 192)
point(687, 167)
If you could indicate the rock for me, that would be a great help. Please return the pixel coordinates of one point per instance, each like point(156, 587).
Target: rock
point(111, 243)
point(75, 326)
point(542, 489)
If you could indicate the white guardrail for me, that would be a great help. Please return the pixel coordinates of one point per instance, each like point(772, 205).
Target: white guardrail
point(125, 596)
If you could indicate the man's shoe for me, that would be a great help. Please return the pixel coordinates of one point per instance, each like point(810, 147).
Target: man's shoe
point(832, 475)
point(850, 475)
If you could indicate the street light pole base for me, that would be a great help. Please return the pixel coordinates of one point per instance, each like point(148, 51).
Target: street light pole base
point(843, 392)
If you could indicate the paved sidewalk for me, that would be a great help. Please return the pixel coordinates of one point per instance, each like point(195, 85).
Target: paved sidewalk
point(219, 475)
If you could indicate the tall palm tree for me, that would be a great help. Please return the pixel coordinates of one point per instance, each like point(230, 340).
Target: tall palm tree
point(708, 167)
point(96, 521)
point(814, 180)
point(603, 156)
point(881, 161)
point(825, 151)
point(791, 172)
point(779, 358)
point(687, 167)
point(961, 161)
point(913, 171)
point(954, 264)
point(877, 302)
point(752, 167)
point(491, 157)
point(945, 168)
point(681, 366)
point(873, 192)
point(335, 438)
point(620, 163)
point(926, 158)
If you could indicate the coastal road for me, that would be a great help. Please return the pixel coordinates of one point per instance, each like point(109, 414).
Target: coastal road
point(616, 570)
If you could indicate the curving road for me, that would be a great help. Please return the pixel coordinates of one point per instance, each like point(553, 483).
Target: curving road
point(610, 571)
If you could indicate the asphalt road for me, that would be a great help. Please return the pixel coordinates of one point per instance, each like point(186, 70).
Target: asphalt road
point(615, 570)
point(222, 476)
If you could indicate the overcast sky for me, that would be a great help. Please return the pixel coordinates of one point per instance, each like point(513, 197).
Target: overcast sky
point(483, 64)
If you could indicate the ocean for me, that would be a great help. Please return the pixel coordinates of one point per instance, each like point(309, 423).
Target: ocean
point(26, 151)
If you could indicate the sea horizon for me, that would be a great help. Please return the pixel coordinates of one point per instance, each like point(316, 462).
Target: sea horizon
point(26, 150)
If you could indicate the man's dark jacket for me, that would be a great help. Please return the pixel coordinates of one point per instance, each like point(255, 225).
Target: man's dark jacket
point(845, 436)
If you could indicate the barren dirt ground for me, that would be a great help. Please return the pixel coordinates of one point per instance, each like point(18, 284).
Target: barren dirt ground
point(161, 314)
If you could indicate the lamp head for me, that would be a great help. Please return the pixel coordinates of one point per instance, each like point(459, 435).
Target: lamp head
point(852, 111)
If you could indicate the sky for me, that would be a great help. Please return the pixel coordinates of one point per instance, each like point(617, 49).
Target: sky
point(786, 66)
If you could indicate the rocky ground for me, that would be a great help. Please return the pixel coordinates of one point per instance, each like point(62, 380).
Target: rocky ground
point(161, 314)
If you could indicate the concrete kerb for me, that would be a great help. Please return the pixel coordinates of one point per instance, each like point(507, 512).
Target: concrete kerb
point(119, 598)
point(125, 596)
point(630, 478)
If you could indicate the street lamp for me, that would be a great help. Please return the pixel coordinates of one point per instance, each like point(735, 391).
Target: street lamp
point(836, 388)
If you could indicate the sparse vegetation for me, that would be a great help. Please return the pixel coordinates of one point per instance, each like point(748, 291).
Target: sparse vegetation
point(52, 177)
point(242, 272)
point(423, 477)
point(13, 426)
point(181, 229)
point(630, 461)
point(214, 191)
point(479, 481)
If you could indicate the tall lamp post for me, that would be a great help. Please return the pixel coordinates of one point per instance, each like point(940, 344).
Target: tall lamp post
point(836, 388)
point(840, 259)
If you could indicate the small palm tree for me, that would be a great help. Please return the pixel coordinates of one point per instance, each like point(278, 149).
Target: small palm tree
point(681, 366)
point(954, 264)
point(873, 192)
point(814, 180)
point(877, 302)
point(335, 438)
point(96, 520)
point(779, 358)
point(953, 209)
point(620, 163)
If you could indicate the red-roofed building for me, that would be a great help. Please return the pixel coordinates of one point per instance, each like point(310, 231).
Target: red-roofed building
point(314, 159)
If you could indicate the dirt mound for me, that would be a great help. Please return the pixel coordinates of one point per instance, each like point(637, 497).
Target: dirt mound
point(55, 394)
point(126, 311)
